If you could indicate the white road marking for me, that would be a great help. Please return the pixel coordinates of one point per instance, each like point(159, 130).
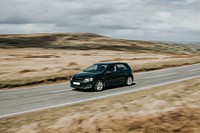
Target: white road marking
point(193, 69)
point(89, 99)
point(60, 91)
point(157, 76)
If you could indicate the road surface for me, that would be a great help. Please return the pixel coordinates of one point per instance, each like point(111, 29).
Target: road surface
point(19, 101)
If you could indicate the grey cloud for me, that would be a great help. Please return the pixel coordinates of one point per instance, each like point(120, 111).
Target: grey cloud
point(142, 19)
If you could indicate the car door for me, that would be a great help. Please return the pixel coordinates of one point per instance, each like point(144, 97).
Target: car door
point(110, 75)
point(121, 73)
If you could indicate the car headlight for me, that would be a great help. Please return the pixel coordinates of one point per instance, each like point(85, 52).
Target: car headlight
point(88, 80)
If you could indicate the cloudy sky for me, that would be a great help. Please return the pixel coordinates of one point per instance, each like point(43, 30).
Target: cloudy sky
point(166, 20)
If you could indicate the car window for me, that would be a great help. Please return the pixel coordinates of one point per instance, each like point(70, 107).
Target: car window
point(112, 69)
point(121, 67)
point(96, 68)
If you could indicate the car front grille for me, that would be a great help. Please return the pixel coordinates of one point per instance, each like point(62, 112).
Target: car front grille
point(77, 79)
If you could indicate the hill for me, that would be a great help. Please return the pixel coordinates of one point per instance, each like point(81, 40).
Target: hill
point(86, 41)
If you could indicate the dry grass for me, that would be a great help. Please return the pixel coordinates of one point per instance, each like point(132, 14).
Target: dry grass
point(183, 120)
point(86, 41)
point(86, 54)
point(170, 108)
point(40, 58)
point(18, 70)
point(133, 59)
point(165, 64)
point(73, 64)
point(26, 71)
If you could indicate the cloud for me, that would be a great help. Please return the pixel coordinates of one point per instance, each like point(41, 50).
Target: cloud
point(174, 20)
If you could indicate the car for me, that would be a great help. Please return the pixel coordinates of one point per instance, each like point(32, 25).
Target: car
point(101, 75)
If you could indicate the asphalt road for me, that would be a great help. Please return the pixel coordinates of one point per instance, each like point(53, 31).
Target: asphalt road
point(19, 101)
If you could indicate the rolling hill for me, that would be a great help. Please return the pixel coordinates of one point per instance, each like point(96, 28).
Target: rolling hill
point(87, 41)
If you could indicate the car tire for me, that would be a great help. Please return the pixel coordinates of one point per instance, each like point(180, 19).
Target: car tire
point(129, 81)
point(99, 85)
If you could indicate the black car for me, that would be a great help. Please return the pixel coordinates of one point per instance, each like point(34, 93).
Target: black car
point(100, 75)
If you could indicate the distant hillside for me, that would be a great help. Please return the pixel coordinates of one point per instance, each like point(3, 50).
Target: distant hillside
point(87, 41)
point(191, 45)
point(195, 45)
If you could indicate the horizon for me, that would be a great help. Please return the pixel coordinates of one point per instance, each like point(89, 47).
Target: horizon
point(162, 41)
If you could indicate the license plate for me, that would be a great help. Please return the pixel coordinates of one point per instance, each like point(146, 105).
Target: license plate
point(76, 83)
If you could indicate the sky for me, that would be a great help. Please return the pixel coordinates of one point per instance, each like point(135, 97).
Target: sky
point(159, 20)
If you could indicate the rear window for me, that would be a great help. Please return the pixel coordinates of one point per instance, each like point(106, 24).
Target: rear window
point(121, 67)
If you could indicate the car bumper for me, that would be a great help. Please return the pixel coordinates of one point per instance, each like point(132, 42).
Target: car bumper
point(88, 85)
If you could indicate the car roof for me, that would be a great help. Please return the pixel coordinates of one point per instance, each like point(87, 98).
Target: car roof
point(108, 63)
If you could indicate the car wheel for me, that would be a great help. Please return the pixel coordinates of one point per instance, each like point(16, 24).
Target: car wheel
point(99, 85)
point(129, 81)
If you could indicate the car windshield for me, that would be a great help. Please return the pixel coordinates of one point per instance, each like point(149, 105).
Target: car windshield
point(96, 68)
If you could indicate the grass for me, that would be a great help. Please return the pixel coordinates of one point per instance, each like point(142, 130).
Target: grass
point(65, 75)
point(41, 56)
point(125, 59)
point(86, 41)
point(169, 108)
point(82, 42)
point(26, 71)
point(165, 64)
point(73, 64)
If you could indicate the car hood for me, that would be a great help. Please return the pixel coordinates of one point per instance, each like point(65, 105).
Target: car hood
point(82, 75)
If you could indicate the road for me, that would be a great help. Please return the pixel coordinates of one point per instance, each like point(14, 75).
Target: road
point(19, 101)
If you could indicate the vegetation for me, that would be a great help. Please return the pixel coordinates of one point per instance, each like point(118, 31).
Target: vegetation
point(86, 41)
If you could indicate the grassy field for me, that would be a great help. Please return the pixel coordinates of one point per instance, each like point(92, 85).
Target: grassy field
point(169, 108)
point(31, 59)
point(86, 41)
